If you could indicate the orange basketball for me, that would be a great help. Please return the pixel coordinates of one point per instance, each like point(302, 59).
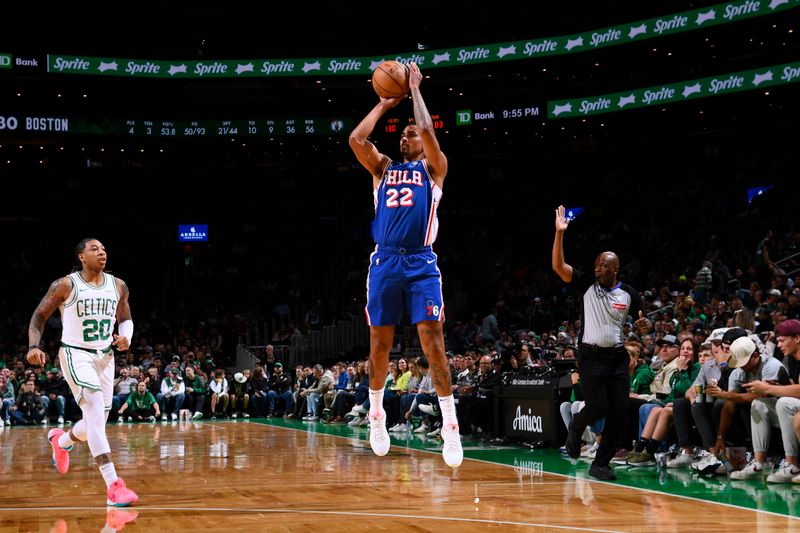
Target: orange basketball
point(390, 79)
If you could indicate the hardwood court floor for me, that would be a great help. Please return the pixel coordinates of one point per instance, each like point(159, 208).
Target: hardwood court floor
point(301, 477)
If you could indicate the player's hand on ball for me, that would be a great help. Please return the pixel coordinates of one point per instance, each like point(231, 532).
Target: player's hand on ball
point(35, 357)
point(392, 102)
point(122, 343)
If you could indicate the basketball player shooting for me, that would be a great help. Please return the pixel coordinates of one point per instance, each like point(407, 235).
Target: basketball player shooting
point(403, 274)
point(91, 302)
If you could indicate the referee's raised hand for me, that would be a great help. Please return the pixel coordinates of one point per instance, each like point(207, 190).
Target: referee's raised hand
point(561, 221)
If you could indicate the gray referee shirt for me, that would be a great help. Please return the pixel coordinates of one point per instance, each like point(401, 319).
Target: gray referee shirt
point(604, 312)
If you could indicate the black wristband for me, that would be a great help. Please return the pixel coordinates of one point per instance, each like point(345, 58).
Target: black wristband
point(33, 346)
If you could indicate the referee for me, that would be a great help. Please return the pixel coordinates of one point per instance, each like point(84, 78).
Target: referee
point(606, 305)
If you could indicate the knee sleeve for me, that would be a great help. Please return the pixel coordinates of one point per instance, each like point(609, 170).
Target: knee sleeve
point(79, 430)
point(94, 416)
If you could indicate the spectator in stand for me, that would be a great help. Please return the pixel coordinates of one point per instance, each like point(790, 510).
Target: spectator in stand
point(158, 364)
point(456, 366)
point(569, 353)
point(28, 407)
point(749, 366)
point(195, 393)
point(142, 405)
point(259, 387)
point(219, 392)
point(359, 410)
point(467, 394)
point(153, 381)
point(683, 407)
point(325, 382)
point(342, 383)
point(426, 395)
point(305, 381)
point(55, 391)
point(702, 282)
point(239, 391)
point(175, 366)
point(524, 358)
point(481, 412)
point(781, 402)
point(6, 396)
point(489, 332)
point(764, 264)
point(659, 420)
point(269, 358)
point(344, 399)
point(124, 385)
point(280, 388)
point(172, 394)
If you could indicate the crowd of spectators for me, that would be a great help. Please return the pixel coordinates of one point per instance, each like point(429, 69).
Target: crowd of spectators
point(692, 295)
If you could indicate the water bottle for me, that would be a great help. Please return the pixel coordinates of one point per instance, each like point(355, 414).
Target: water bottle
point(409, 426)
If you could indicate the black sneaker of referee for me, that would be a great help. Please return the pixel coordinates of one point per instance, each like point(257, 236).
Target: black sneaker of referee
point(574, 439)
point(603, 473)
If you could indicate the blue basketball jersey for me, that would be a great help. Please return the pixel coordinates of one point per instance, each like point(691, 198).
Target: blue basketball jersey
point(406, 200)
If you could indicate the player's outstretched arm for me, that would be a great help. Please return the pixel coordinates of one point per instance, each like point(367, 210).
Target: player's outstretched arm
point(365, 151)
point(437, 162)
point(56, 295)
point(560, 266)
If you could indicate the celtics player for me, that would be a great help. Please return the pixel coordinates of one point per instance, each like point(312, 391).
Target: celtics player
point(91, 302)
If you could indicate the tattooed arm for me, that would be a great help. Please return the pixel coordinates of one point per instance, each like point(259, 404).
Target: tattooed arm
point(437, 161)
point(124, 318)
point(57, 294)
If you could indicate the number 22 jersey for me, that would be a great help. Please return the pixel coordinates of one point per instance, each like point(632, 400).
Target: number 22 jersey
point(406, 200)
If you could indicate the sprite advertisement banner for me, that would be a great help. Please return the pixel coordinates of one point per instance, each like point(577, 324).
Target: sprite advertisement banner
point(658, 95)
point(471, 55)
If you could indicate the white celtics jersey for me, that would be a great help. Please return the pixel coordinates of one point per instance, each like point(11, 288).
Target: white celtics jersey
point(88, 316)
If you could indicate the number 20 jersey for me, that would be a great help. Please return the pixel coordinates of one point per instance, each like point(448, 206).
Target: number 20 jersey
point(89, 314)
point(406, 200)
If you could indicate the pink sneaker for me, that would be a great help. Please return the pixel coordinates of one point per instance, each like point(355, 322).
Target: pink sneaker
point(119, 495)
point(60, 455)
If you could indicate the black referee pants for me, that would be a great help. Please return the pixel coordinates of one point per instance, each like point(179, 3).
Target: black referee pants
point(605, 384)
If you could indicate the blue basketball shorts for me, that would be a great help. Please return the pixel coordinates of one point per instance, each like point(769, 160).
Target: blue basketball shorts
point(403, 279)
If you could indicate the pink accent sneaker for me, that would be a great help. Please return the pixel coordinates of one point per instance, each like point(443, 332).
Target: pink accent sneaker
point(119, 495)
point(60, 455)
point(118, 518)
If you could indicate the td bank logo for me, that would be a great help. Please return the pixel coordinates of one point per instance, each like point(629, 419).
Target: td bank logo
point(464, 117)
point(5, 60)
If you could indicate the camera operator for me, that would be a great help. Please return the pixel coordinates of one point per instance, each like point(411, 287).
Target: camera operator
point(480, 413)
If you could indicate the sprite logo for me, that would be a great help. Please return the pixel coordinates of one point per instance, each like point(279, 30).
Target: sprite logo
point(5, 60)
point(464, 117)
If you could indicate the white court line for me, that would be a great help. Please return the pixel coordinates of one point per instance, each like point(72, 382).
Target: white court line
point(307, 511)
point(651, 491)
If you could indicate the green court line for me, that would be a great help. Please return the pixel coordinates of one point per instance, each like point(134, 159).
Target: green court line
point(780, 499)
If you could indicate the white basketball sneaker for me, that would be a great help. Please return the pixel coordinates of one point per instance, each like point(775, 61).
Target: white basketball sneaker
point(378, 436)
point(451, 451)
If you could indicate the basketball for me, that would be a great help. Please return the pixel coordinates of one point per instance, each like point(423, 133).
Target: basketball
point(390, 79)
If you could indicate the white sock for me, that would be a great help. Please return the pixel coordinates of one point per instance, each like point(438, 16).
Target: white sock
point(109, 473)
point(375, 402)
point(448, 407)
point(65, 441)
